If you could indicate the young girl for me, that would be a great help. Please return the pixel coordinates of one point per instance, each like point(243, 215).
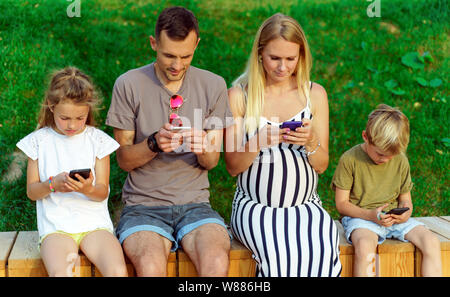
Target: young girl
point(72, 214)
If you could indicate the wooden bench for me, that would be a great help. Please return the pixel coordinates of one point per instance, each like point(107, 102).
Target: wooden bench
point(398, 259)
point(19, 256)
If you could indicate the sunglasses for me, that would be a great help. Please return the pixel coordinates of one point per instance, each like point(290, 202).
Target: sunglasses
point(175, 103)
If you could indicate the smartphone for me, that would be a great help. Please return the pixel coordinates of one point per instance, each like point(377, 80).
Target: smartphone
point(398, 211)
point(181, 128)
point(83, 172)
point(292, 125)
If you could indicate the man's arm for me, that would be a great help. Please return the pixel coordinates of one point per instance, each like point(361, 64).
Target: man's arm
point(130, 155)
point(209, 157)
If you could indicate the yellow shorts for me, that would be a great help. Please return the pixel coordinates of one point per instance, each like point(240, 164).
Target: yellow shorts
point(77, 237)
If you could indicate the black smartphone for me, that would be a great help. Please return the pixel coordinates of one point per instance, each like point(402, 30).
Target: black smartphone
point(292, 125)
point(83, 172)
point(398, 211)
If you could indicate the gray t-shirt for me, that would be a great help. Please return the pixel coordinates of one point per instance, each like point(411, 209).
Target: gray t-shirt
point(141, 103)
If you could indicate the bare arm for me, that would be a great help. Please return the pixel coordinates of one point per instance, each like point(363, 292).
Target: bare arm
point(346, 208)
point(237, 157)
point(320, 130)
point(130, 155)
point(210, 154)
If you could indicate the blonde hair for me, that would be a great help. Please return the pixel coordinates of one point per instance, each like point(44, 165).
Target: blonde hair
point(388, 129)
point(69, 84)
point(253, 80)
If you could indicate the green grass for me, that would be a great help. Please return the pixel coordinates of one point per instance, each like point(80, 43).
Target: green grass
point(354, 56)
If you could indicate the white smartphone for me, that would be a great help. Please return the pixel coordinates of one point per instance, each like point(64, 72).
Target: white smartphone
point(182, 128)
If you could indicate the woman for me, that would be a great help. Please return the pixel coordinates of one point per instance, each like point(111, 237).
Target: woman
point(276, 210)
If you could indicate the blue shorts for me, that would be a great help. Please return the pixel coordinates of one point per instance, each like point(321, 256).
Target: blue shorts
point(171, 222)
point(397, 231)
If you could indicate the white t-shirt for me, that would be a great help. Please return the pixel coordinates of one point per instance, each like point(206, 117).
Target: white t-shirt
point(70, 212)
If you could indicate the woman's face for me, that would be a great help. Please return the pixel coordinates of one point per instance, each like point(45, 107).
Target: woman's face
point(279, 58)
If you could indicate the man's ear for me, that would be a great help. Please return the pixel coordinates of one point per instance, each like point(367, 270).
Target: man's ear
point(153, 43)
point(198, 40)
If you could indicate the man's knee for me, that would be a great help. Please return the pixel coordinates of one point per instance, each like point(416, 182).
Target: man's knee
point(148, 253)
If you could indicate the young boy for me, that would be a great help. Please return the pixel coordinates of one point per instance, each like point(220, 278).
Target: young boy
point(371, 179)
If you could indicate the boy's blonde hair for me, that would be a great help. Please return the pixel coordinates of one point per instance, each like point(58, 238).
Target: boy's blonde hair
point(253, 80)
point(69, 84)
point(388, 129)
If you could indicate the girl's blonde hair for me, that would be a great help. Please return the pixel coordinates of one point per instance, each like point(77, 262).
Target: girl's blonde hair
point(69, 84)
point(253, 80)
point(388, 129)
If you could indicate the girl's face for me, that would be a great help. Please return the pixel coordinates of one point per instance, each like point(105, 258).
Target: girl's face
point(279, 58)
point(70, 119)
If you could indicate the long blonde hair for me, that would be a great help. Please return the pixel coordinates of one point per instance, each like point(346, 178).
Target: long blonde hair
point(70, 84)
point(253, 80)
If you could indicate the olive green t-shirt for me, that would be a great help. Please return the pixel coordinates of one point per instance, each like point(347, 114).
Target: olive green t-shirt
point(372, 185)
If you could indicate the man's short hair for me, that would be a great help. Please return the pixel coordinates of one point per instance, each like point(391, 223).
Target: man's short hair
point(388, 129)
point(177, 21)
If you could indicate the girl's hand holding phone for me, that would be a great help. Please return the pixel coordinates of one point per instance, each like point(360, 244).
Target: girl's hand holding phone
point(83, 186)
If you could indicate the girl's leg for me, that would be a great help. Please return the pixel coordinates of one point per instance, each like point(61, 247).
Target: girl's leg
point(59, 253)
point(430, 247)
point(103, 249)
point(365, 245)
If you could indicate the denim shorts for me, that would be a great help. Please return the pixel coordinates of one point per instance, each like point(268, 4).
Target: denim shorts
point(397, 231)
point(171, 222)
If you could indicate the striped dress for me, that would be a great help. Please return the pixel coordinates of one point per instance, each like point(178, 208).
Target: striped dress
point(277, 214)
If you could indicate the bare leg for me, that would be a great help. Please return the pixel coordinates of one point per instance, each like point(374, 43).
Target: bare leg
point(365, 244)
point(208, 247)
point(149, 253)
point(103, 249)
point(430, 247)
point(59, 253)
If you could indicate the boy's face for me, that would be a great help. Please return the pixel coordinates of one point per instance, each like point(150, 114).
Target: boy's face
point(377, 155)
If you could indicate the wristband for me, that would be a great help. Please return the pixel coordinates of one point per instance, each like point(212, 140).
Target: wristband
point(50, 180)
point(314, 151)
point(379, 215)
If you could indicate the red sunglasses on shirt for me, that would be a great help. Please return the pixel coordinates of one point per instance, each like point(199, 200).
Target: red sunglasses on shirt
point(176, 101)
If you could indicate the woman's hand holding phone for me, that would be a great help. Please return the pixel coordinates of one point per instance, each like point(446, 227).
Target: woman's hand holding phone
point(301, 135)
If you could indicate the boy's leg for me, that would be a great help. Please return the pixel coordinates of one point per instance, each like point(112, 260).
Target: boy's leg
point(430, 247)
point(59, 253)
point(365, 245)
point(103, 249)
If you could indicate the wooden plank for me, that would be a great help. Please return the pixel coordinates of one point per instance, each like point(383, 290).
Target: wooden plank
point(447, 218)
point(437, 225)
point(346, 252)
point(396, 259)
point(6, 243)
point(242, 263)
point(25, 258)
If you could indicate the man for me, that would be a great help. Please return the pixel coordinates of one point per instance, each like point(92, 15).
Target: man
point(166, 192)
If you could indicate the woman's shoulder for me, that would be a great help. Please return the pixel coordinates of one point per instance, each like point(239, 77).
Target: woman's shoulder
point(237, 102)
point(318, 97)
